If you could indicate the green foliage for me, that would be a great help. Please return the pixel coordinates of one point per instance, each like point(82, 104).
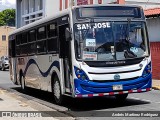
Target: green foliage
point(7, 17)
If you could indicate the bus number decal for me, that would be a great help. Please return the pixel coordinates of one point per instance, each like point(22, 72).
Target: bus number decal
point(91, 42)
point(50, 58)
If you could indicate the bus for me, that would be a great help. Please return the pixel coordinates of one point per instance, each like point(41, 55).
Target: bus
point(84, 51)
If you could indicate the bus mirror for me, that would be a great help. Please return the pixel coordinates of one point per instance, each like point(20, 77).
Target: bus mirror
point(68, 34)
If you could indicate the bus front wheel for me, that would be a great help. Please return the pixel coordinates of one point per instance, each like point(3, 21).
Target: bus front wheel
point(121, 97)
point(56, 89)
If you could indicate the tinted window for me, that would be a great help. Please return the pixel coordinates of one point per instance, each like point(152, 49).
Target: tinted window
point(52, 30)
point(24, 49)
point(41, 33)
point(31, 48)
point(32, 36)
point(18, 50)
point(18, 39)
point(12, 48)
point(41, 46)
point(52, 44)
point(24, 38)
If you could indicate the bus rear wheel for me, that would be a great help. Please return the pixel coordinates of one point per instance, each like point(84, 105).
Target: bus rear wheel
point(56, 89)
point(121, 97)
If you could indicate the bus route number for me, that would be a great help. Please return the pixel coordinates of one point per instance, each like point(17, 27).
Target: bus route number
point(91, 42)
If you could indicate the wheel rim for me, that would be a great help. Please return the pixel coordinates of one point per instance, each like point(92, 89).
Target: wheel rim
point(22, 83)
point(57, 91)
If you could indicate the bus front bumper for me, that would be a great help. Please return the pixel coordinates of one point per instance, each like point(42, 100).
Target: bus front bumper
point(87, 88)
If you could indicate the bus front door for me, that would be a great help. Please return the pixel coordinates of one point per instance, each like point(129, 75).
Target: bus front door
point(65, 54)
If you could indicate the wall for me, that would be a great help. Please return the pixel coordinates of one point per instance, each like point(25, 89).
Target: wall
point(153, 25)
point(28, 11)
point(155, 51)
point(4, 30)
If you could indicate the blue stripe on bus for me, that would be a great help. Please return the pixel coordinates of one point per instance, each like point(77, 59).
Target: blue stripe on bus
point(44, 74)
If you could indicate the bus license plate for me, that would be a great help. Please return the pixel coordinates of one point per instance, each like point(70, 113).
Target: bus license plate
point(117, 87)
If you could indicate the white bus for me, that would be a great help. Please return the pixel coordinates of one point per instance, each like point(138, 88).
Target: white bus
point(84, 51)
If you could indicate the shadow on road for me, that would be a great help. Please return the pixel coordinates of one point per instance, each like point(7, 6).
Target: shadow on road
point(85, 104)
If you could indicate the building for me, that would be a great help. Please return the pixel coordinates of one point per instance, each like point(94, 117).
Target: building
point(153, 23)
point(4, 31)
point(29, 11)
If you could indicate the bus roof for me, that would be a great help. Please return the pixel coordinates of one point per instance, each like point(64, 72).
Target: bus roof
point(61, 13)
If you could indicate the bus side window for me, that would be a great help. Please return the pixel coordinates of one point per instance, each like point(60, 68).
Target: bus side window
point(12, 47)
point(41, 40)
point(17, 44)
point(41, 46)
point(52, 30)
point(41, 33)
point(24, 38)
point(18, 39)
point(52, 42)
point(32, 36)
point(31, 48)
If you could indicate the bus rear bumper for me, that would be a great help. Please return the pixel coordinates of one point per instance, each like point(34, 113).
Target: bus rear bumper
point(85, 88)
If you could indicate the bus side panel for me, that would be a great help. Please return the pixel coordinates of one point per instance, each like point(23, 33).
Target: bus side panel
point(38, 70)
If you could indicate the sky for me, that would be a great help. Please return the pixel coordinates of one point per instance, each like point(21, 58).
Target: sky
point(5, 4)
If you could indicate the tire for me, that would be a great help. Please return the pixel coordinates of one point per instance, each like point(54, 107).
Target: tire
point(23, 86)
point(56, 90)
point(3, 68)
point(121, 97)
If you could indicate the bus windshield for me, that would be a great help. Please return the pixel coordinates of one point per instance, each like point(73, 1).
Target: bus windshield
point(108, 41)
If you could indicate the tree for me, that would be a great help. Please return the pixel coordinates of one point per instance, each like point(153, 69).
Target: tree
point(2, 19)
point(7, 17)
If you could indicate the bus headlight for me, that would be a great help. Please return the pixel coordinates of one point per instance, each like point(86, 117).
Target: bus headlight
point(147, 70)
point(80, 74)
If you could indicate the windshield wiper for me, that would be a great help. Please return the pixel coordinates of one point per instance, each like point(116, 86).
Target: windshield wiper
point(128, 29)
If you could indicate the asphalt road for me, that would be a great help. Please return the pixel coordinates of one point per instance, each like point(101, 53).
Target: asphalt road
point(95, 108)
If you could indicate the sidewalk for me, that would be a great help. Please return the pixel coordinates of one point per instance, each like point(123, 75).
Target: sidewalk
point(156, 84)
point(10, 106)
